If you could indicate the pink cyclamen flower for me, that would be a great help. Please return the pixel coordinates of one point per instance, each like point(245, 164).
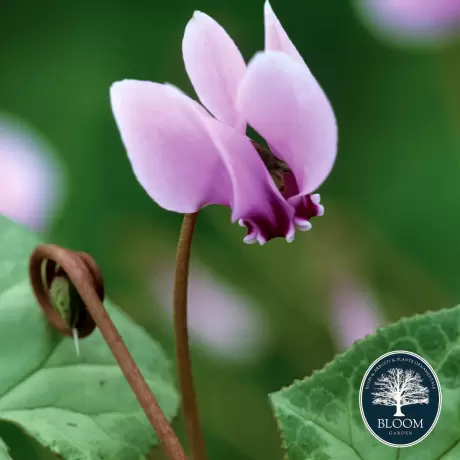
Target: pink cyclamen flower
point(221, 319)
point(187, 159)
point(353, 314)
point(415, 20)
point(31, 185)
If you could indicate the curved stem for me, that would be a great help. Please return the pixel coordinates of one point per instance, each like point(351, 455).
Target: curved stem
point(134, 377)
point(87, 280)
point(184, 365)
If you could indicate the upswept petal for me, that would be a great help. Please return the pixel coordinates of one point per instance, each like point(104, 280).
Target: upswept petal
point(282, 100)
point(215, 67)
point(256, 202)
point(276, 38)
point(168, 145)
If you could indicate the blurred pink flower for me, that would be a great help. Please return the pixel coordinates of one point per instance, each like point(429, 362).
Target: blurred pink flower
point(420, 20)
point(30, 178)
point(353, 314)
point(186, 159)
point(221, 320)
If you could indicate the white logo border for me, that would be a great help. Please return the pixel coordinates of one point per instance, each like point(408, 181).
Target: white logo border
point(361, 388)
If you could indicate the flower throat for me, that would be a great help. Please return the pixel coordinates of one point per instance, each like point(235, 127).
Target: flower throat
point(275, 166)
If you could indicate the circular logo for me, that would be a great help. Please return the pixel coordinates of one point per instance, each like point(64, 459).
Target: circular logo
point(400, 399)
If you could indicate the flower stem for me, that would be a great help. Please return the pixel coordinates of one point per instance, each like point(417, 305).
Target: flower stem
point(184, 365)
point(83, 273)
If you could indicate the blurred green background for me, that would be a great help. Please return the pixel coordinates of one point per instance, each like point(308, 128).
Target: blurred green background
point(392, 202)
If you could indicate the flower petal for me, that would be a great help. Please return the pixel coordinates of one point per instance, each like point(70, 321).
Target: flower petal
point(354, 313)
point(168, 146)
point(411, 20)
point(215, 67)
point(32, 179)
point(256, 202)
point(282, 100)
point(276, 38)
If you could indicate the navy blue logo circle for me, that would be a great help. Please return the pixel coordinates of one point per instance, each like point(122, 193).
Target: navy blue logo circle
point(400, 399)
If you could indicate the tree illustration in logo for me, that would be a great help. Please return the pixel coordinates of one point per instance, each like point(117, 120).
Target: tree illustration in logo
point(399, 387)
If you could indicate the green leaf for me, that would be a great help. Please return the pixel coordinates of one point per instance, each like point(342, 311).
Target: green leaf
point(16, 244)
point(78, 407)
point(319, 417)
point(4, 455)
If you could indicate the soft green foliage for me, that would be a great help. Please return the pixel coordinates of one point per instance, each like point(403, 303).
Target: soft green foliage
point(4, 451)
point(79, 407)
point(320, 419)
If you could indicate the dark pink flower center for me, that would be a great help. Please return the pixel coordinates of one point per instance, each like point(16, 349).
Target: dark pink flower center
point(262, 228)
